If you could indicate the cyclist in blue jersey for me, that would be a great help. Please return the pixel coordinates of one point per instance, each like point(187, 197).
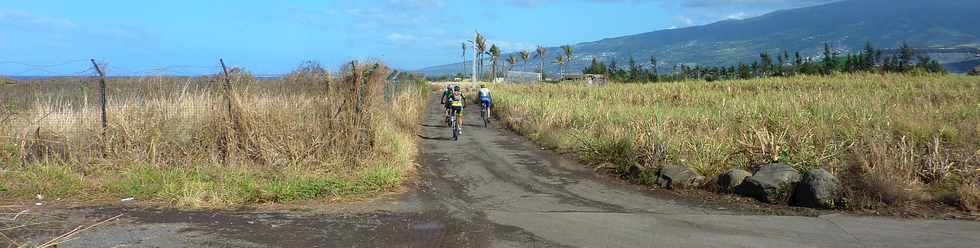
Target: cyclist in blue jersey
point(485, 99)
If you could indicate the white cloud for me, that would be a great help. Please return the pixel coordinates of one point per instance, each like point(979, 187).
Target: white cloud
point(683, 21)
point(736, 16)
point(778, 3)
point(523, 3)
point(58, 28)
point(25, 19)
point(421, 4)
point(511, 46)
point(400, 38)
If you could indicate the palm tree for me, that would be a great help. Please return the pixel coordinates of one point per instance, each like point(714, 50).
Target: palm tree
point(464, 59)
point(540, 53)
point(568, 57)
point(560, 60)
point(512, 61)
point(481, 48)
point(494, 55)
point(524, 56)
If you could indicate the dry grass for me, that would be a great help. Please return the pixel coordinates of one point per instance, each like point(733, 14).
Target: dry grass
point(969, 197)
point(185, 141)
point(894, 138)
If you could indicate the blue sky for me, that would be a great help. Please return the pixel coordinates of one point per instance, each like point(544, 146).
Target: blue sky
point(42, 37)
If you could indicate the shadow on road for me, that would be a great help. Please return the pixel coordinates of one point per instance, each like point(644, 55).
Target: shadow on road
point(435, 138)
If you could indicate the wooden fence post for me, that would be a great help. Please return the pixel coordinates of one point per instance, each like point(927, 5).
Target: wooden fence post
point(226, 149)
point(227, 85)
point(102, 94)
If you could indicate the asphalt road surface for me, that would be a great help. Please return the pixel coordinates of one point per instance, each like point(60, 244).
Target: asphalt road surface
point(493, 188)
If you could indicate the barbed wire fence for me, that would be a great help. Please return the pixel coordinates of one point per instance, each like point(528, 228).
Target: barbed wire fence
point(53, 85)
point(68, 107)
point(50, 114)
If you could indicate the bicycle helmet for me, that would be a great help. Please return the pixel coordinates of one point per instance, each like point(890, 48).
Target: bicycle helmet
point(456, 88)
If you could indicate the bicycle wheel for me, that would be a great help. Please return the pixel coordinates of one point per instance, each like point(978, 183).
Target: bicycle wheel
point(449, 121)
point(455, 130)
point(483, 113)
point(454, 123)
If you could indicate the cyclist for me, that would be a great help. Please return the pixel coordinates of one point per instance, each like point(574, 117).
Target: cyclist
point(445, 98)
point(457, 102)
point(485, 98)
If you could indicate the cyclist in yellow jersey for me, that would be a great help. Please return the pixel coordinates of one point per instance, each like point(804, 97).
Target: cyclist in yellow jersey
point(457, 101)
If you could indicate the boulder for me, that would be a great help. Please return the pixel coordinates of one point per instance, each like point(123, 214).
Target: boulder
point(732, 178)
point(633, 171)
point(771, 184)
point(817, 189)
point(679, 177)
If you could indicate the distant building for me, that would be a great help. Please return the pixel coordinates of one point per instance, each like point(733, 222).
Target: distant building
point(595, 79)
point(523, 77)
point(575, 76)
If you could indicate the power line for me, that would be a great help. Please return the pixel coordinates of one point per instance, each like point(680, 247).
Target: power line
point(57, 69)
point(51, 65)
point(165, 70)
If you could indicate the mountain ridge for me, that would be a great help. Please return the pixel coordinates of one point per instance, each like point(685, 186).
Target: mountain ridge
point(846, 25)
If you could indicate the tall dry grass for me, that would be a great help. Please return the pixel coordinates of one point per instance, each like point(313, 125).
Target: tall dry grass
point(191, 142)
point(894, 139)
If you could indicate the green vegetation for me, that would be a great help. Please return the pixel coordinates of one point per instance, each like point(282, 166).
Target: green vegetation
point(868, 60)
point(481, 49)
point(185, 141)
point(894, 139)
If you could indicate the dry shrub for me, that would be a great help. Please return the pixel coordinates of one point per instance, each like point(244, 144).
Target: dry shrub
point(969, 197)
point(760, 146)
point(936, 164)
point(43, 146)
point(652, 146)
point(884, 172)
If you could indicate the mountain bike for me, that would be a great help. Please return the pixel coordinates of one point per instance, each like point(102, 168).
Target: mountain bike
point(454, 123)
point(449, 120)
point(485, 113)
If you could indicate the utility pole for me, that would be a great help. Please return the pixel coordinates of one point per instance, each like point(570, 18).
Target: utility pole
point(473, 78)
point(463, 71)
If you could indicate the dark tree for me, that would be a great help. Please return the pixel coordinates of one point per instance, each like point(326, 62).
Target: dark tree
point(905, 56)
point(829, 59)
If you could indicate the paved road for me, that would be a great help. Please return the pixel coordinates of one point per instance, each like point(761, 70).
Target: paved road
point(495, 189)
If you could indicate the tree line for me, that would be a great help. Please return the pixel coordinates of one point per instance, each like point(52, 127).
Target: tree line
point(868, 59)
point(484, 52)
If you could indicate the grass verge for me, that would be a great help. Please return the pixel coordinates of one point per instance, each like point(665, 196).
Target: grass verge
point(895, 140)
point(190, 142)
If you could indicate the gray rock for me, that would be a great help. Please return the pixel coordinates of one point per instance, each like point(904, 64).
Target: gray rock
point(772, 183)
point(732, 178)
point(679, 177)
point(634, 171)
point(817, 189)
